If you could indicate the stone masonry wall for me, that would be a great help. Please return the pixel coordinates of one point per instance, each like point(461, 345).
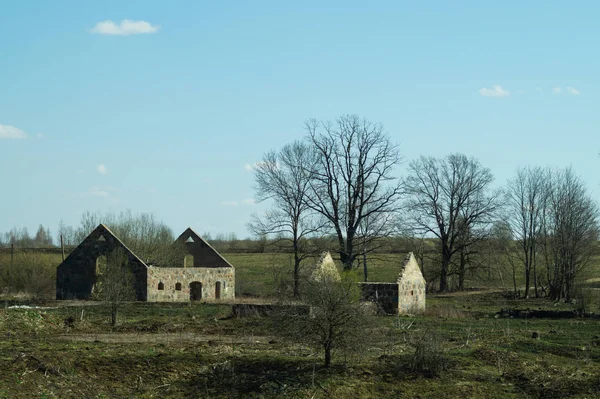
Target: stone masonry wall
point(411, 294)
point(170, 276)
point(385, 295)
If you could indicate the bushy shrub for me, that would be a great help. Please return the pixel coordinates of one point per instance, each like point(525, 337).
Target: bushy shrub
point(428, 357)
point(29, 275)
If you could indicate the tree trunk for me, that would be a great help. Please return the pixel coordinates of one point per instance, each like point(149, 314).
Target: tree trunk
point(296, 275)
point(514, 277)
point(444, 270)
point(366, 272)
point(461, 271)
point(113, 316)
point(347, 260)
point(535, 277)
point(327, 355)
point(527, 281)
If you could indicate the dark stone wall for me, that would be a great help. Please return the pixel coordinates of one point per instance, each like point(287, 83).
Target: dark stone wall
point(204, 255)
point(385, 295)
point(76, 276)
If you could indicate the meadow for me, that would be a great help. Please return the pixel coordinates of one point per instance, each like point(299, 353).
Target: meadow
point(476, 350)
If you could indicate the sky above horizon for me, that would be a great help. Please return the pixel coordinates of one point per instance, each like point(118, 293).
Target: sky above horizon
point(164, 107)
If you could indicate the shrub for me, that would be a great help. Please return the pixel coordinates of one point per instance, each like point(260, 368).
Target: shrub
point(428, 357)
point(31, 275)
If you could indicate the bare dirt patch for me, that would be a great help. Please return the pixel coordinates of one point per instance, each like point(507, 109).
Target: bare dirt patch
point(121, 338)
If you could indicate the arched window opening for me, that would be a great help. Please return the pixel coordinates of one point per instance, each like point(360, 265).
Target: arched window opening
point(161, 286)
point(99, 270)
point(100, 264)
point(218, 290)
point(177, 286)
point(188, 261)
point(195, 291)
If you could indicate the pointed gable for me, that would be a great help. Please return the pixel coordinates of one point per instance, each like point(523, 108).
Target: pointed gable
point(204, 254)
point(326, 269)
point(410, 270)
point(76, 275)
point(101, 236)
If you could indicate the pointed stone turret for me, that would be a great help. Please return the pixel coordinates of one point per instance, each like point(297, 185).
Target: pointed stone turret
point(326, 269)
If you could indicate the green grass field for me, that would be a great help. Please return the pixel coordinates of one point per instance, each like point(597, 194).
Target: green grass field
point(182, 351)
point(69, 350)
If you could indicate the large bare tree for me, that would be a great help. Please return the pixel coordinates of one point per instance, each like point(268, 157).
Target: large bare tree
point(354, 182)
point(284, 177)
point(570, 232)
point(526, 197)
point(450, 198)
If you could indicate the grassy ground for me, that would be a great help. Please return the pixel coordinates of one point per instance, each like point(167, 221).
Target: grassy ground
point(198, 350)
point(182, 351)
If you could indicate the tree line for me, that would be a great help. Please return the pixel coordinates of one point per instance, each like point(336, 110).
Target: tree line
point(340, 182)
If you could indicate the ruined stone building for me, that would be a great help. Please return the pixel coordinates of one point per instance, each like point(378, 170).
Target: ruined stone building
point(205, 274)
point(405, 296)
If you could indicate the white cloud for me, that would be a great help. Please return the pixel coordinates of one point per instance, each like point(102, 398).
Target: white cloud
point(573, 91)
point(229, 203)
point(248, 167)
point(125, 28)
point(556, 90)
point(495, 91)
point(248, 201)
point(102, 169)
point(11, 132)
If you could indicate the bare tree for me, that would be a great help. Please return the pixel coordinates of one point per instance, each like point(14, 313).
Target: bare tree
point(501, 247)
point(353, 182)
point(284, 178)
point(570, 232)
point(68, 234)
point(43, 238)
point(526, 197)
point(115, 283)
point(449, 197)
point(337, 319)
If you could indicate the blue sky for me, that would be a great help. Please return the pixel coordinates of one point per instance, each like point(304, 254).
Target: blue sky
point(165, 113)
